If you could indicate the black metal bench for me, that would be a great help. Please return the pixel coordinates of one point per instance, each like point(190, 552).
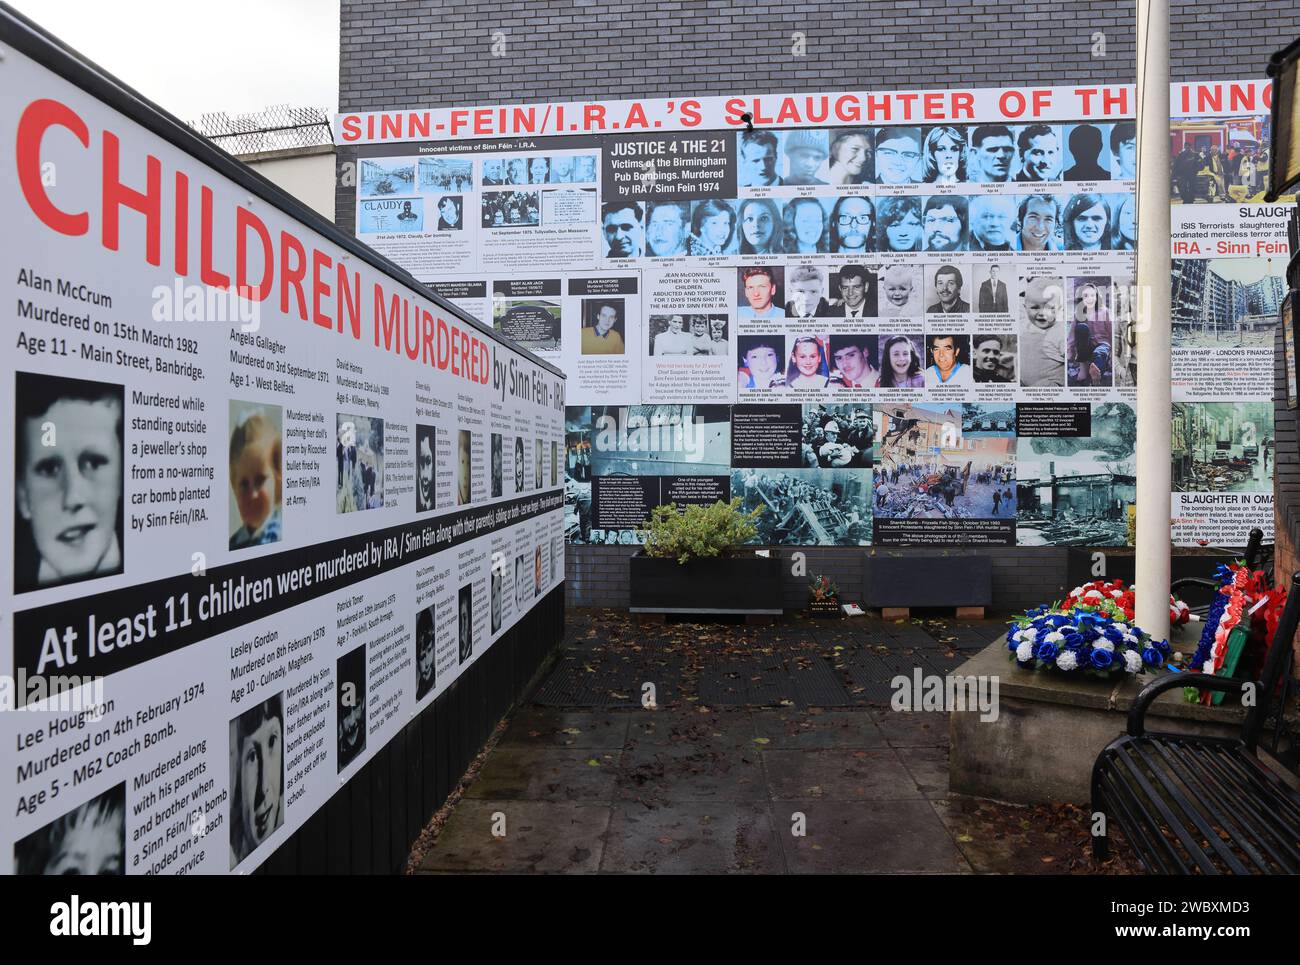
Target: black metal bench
point(1190, 804)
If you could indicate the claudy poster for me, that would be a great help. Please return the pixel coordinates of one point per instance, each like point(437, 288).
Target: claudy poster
point(270, 500)
point(890, 318)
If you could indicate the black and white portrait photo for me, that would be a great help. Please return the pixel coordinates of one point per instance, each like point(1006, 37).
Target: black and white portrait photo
point(450, 212)
point(256, 776)
point(943, 223)
point(756, 156)
point(992, 296)
point(67, 480)
point(803, 153)
point(497, 457)
point(898, 155)
point(622, 225)
point(851, 159)
point(537, 463)
point(523, 587)
point(425, 439)
point(853, 292)
point(496, 596)
point(350, 705)
point(88, 840)
point(945, 290)
point(992, 155)
point(667, 228)
point(993, 357)
point(993, 223)
point(944, 151)
point(464, 467)
point(1040, 153)
point(425, 667)
point(465, 621)
point(519, 464)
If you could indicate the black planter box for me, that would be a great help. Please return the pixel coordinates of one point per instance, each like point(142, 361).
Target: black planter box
point(740, 584)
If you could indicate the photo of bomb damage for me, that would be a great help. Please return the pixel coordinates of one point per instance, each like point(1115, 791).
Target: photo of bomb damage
point(927, 467)
point(1076, 490)
point(1222, 447)
point(622, 461)
point(807, 507)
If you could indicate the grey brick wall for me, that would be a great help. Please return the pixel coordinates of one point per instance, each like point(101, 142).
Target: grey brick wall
point(1022, 577)
point(422, 53)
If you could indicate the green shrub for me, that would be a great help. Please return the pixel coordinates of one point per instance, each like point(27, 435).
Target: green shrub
point(699, 531)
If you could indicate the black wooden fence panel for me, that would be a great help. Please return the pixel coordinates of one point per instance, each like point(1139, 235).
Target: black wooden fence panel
point(370, 823)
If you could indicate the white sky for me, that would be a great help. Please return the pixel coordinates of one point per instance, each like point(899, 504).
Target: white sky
point(193, 57)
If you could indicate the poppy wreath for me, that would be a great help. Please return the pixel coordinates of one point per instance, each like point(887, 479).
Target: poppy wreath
point(1117, 600)
point(1244, 600)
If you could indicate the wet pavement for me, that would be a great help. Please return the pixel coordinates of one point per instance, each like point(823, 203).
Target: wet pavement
point(769, 750)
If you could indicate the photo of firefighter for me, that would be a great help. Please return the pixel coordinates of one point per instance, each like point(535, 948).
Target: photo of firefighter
point(807, 507)
point(927, 468)
point(256, 776)
point(1076, 490)
point(837, 436)
point(88, 840)
point(68, 466)
point(360, 457)
point(350, 705)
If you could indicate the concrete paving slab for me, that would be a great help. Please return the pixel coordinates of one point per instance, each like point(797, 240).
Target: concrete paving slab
point(679, 773)
point(539, 837)
point(546, 774)
point(838, 775)
point(867, 837)
point(726, 727)
point(908, 728)
point(928, 767)
point(815, 730)
point(543, 727)
point(692, 838)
